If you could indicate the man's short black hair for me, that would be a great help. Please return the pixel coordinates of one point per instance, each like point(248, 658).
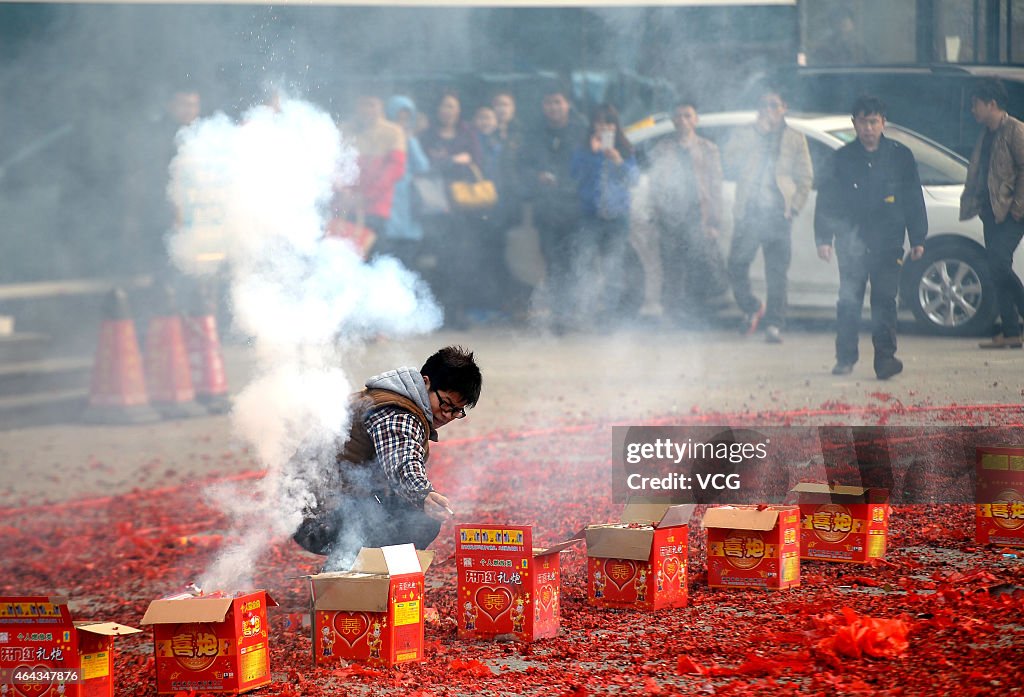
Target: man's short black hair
point(453, 369)
point(868, 104)
point(557, 87)
point(991, 89)
point(685, 101)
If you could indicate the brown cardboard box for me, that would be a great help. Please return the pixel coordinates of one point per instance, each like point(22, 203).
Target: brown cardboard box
point(211, 643)
point(641, 561)
point(374, 611)
point(44, 653)
point(753, 546)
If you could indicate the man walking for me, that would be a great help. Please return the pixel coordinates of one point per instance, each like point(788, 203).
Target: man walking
point(995, 191)
point(869, 200)
point(774, 177)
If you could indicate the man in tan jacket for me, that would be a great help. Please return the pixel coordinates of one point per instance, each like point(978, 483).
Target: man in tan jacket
point(995, 191)
point(774, 178)
point(685, 194)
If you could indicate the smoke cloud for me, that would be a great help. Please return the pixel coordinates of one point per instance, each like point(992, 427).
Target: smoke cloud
point(252, 201)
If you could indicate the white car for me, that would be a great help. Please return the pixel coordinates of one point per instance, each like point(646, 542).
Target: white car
point(950, 291)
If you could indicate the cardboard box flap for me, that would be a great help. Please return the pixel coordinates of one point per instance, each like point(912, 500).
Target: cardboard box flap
point(106, 628)
point(677, 515)
point(393, 560)
point(187, 610)
point(353, 591)
point(644, 513)
point(842, 491)
point(731, 518)
point(426, 559)
point(619, 543)
point(557, 547)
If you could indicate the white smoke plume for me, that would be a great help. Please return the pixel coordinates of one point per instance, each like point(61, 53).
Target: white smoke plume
point(252, 199)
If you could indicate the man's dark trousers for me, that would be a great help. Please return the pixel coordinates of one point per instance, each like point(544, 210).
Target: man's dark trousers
point(859, 264)
point(1001, 240)
point(769, 230)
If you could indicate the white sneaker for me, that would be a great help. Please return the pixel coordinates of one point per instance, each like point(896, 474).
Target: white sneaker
point(772, 335)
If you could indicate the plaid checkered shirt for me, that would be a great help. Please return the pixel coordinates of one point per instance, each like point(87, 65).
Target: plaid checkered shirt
point(398, 439)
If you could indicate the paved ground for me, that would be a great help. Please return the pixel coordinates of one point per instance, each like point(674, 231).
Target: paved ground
point(534, 381)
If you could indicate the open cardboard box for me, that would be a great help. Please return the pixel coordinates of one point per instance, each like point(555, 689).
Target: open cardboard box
point(640, 562)
point(44, 653)
point(843, 523)
point(507, 587)
point(213, 643)
point(753, 546)
point(372, 612)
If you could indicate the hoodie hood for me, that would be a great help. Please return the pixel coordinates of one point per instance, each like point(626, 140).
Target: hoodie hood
point(409, 383)
point(396, 104)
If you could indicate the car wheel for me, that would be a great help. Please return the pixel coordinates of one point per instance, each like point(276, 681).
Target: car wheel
point(950, 290)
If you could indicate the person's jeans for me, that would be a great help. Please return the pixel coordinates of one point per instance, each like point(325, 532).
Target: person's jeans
point(1001, 240)
point(857, 266)
point(374, 521)
point(771, 233)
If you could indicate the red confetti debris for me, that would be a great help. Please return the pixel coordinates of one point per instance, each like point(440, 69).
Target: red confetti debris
point(945, 607)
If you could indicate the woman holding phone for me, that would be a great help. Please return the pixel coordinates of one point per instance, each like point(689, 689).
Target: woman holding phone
point(605, 170)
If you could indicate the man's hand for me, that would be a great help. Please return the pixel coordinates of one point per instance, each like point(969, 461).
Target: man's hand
point(825, 252)
point(437, 507)
point(916, 252)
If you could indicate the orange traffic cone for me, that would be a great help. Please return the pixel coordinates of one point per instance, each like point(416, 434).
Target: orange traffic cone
point(205, 356)
point(167, 372)
point(118, 391)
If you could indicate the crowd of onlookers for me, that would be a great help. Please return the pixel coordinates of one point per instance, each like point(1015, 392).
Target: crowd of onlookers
point(571, 179)
point(444, 189)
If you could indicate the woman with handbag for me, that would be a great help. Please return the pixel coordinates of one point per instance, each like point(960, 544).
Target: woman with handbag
point(454, 236)
point(605, 170)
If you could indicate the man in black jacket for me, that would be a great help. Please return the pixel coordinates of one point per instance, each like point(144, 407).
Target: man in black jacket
point(869, 200)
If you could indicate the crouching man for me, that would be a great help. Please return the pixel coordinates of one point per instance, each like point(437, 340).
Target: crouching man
point(377, 491)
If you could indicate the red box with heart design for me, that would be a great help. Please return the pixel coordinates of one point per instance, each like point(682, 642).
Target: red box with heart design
point(211, 643)
point(507, 587)
point(373, 612)
point(999, 507)
point(640, 562)
point(843, 523)
point(753, 546)
point(44, 653)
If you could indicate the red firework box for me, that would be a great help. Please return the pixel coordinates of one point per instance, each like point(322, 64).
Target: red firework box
point(999, 517)
point(843, 523)
point(641, 561)
point(753, 546)
point(211, 643)
point(44, 653)
point(373, 612)
point(507, 587)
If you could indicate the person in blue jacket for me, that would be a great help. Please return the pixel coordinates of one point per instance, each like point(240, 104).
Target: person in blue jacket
point(403, 234)
point(605, 170)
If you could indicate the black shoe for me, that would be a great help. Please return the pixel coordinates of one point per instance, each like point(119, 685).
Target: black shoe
point(888, 367)
point(841, 368)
